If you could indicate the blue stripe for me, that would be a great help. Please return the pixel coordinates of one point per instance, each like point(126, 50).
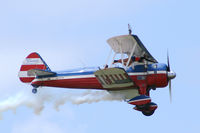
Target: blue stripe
point(157, 67)
point(91, 70)
point(151, 67)
point(75, 74)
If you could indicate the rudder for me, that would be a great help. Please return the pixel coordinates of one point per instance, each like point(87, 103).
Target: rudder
point(32, 61)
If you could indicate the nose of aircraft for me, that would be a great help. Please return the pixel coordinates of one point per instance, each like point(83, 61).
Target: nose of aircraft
point(171, 75)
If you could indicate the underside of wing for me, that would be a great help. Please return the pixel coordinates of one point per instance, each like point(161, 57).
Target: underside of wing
point(125, 94)
point(114, 78)
point(130, 45)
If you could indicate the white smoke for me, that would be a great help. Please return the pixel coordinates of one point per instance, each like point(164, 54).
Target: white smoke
point(58, 98)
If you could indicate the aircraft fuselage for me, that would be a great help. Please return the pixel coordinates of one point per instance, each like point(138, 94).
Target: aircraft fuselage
point(155, 75)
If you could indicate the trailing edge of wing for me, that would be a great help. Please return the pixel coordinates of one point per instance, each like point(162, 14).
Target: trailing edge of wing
point(40, 72)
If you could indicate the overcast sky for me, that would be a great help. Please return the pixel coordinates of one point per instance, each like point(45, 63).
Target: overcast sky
point(70, 34)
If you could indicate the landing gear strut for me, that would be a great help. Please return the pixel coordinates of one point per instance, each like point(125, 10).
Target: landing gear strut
point(34, 90)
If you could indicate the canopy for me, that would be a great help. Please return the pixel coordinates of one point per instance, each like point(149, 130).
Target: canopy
point(130, 45)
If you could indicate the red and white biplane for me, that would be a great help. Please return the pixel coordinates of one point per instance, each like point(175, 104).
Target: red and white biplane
point(132, 76)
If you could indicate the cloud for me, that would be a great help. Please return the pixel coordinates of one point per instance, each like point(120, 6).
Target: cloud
point(37, 125)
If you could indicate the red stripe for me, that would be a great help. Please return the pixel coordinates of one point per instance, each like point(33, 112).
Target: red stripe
point(28, 67)
point(89, 83)
point(27, 79)
point(108, 80)
point(116, 76)
point(126, 75)
point(154, 107)
point(33, 55)
point(121, 76)
point(112, 77)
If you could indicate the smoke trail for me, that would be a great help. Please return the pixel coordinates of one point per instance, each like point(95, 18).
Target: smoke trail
point(86, 97)
point(58, 98)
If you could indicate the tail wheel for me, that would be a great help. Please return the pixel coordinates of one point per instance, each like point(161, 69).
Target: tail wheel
point(148, 112)
point(34, 90)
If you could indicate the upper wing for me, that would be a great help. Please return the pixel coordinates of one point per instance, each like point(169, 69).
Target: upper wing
point(126, 43)
point(40, 72)
point(114, 78)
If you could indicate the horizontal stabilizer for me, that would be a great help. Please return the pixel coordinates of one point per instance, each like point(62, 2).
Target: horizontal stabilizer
point(40, 72)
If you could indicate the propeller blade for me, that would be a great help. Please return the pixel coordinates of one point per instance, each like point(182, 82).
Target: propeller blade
point(170, 91)
point(168, 67)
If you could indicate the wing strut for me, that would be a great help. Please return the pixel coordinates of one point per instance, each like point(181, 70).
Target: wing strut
point(108, 57)
point(130, 55)
point(113, 59)
point(122, 56)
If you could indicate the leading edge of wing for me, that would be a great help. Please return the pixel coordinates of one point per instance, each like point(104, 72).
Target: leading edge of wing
point(139, 42)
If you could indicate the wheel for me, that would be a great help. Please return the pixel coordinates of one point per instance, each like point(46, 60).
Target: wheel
point(148, 112)
point(34, 90)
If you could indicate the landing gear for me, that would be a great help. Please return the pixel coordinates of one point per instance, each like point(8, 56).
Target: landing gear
point(148, 112)
point(146, 109)
point(34, 90)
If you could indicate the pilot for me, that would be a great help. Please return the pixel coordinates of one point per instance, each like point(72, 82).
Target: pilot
point(106, 66)
point(133, 59)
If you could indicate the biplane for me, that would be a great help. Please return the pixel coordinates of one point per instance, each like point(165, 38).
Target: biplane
point(132, 73)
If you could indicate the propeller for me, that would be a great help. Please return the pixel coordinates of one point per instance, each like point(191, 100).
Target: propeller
point(170, 91)
point(168, 65)
point(170, 75)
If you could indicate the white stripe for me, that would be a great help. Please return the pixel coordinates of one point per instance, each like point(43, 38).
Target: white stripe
point(65, 77)
point(23, 74)
point(157, 72)
point(140, 100)
point(153, 106)
point(33, 61)
point(89, 76)
point(138, 73)
point(148, 72)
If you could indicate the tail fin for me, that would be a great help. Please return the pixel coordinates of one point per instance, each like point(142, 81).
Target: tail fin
point(32, 61)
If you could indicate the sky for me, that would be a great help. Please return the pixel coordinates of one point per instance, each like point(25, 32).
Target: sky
point(71, 34)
